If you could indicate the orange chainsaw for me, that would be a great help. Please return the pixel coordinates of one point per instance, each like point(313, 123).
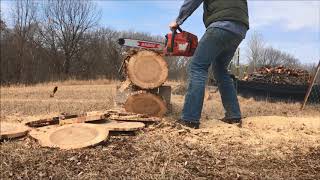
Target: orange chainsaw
point(180, 43)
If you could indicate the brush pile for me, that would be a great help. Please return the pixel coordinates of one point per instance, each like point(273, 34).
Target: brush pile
point(279, 75)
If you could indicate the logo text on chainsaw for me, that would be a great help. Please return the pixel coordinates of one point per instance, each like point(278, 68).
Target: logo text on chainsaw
point(148, 44)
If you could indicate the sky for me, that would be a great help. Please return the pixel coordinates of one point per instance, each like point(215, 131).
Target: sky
point(288, 25)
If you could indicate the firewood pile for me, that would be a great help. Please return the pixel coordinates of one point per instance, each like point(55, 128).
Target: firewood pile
point(279, 75)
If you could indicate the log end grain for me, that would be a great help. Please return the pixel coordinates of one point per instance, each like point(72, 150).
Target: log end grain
point(72, 136)
point(147, 69)
point(146, 103)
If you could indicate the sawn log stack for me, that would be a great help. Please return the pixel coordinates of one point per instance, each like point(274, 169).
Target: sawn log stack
point(142, 92)
point(146, 70)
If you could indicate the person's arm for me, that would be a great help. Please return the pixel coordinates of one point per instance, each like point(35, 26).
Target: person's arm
point(188, 7)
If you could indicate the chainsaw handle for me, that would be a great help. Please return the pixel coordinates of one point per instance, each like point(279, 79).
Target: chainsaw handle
point(174, 31)
point(179, 28)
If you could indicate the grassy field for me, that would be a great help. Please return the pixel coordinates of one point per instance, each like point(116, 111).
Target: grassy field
point(266, 147)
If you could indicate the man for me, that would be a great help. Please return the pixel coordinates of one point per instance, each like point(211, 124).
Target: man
point(227, 23)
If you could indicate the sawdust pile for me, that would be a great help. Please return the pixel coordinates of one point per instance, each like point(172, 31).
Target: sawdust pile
point(166, 150)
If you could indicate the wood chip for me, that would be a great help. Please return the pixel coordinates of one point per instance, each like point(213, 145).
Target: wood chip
point(12, 130)
point(125, 85)
point(72, 136)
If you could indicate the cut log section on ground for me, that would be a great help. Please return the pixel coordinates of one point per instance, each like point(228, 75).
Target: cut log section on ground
point(69, 119)
point(115, 126)
point(86, 117)
point(135, 118)
point(147, 69)
point(122, 126)
point(146, 103)
point(122, 115)
point(12, 130)
point(112, 114)
point(72, 136)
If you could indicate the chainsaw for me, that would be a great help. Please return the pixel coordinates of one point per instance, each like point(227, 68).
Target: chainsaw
point(176, 44)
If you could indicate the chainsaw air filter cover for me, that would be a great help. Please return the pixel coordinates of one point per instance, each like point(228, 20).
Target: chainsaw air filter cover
point(147, 69)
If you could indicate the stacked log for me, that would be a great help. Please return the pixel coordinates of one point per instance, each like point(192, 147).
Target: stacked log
point(143, 92)
point(279, 75)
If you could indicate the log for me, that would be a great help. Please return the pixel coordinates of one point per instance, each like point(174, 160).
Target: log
point(69, 119)
point(12, 130)
point(122, 126)
point(134, 118)
point(115, 126)
point(85, 117)
point(147, 69)
point(142, 102)
point(50, 121)
point(121, 114)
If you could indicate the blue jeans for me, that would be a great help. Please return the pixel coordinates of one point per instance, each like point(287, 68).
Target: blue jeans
point(216, 48)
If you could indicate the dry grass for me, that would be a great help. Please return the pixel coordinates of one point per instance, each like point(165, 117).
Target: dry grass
point(164, 150)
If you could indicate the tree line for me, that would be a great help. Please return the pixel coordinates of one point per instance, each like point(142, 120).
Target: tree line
point(55, 40)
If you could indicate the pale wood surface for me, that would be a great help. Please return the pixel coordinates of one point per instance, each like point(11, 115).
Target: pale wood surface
point(122, 126)
point(12, 130)
point(72, 136)
point(147, 69)
point(146, 103)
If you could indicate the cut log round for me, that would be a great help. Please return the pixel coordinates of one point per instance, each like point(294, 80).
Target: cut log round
point(146, 103)
point(71, 136)
point(134, 118)
point(12, 130)
point(123, 126)
point(147, 69)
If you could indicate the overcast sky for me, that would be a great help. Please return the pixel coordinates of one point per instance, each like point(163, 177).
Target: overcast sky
point(291, 26)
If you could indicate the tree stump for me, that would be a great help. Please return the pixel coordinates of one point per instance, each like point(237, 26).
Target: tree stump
point(147, 69)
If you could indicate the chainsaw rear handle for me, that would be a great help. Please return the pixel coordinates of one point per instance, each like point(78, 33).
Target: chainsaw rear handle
point(178, 28)
point(174, 31)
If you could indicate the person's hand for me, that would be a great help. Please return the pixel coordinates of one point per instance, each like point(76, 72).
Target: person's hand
point(173, 25)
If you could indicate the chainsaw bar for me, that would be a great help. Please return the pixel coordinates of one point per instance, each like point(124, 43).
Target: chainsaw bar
point(156, 46)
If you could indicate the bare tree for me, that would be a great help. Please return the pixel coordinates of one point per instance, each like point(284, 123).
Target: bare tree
point(24, 17)
point(259, 55)
point(255, 49)
point(66, 23)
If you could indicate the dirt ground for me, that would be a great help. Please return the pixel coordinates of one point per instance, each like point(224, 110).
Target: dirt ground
point(277, 140)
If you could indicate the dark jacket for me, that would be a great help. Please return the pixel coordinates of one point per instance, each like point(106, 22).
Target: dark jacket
point(225, 10)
